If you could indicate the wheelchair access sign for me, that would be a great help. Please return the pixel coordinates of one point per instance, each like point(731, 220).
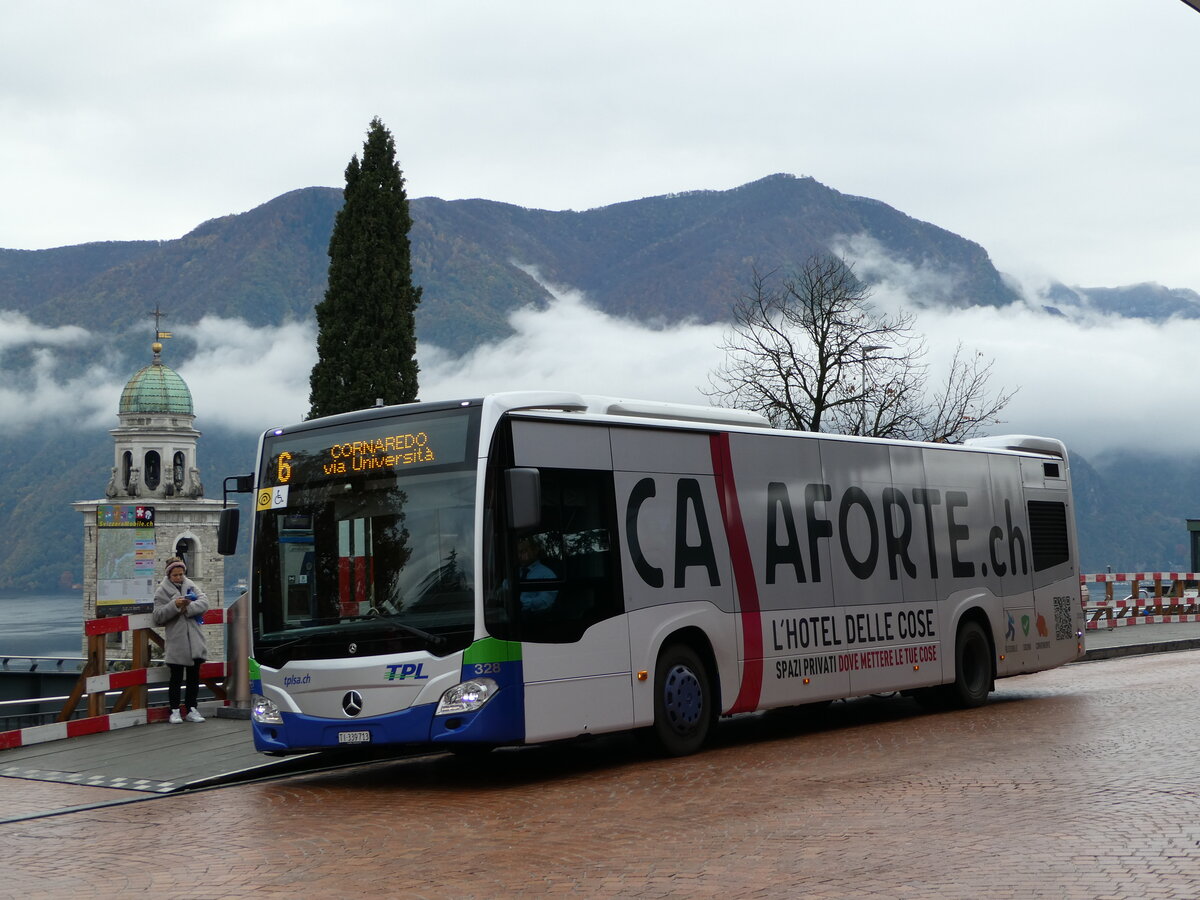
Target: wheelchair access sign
point(272, 498)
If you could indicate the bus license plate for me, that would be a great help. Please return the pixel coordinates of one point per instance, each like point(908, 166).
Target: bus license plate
point(354, 737)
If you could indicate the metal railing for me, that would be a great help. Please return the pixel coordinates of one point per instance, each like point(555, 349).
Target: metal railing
point(29, 712)
point(35, 661)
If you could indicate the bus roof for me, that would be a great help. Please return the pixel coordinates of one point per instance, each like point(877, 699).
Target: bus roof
point(599, 405)
point(498, 404)
point(1025, 443)
point(596, 404)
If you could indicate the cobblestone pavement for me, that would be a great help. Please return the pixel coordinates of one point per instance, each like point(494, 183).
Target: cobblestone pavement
point(1073, 783)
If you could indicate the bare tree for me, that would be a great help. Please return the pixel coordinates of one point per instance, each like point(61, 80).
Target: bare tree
point(814, 355)
point(962, 406)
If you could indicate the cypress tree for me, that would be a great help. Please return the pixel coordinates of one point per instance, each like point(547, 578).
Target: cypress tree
point(366, 337)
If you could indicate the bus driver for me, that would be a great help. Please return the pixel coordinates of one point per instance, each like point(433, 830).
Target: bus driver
point(531, 568)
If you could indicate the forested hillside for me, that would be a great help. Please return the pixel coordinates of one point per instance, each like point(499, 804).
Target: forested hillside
point(661, 259)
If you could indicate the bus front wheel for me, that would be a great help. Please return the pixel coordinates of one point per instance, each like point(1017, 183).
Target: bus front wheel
point(683, 702)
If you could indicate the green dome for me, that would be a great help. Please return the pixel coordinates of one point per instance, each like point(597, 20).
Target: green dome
point(156, 389)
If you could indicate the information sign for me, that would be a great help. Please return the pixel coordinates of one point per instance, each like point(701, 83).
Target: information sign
point(125, 553)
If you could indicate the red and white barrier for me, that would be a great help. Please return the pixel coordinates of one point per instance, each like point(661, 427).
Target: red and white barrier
point(117, 624)
point(96, 685)
point(1138, 576)
point(115, 681)
point(1107, 612)
point(40, 734)
point(1165, 618)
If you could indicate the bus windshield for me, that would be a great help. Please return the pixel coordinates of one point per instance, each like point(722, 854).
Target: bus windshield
point(364, 539)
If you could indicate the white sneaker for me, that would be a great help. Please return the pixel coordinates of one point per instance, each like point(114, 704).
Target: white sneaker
point(176, 718)
point(194, 716)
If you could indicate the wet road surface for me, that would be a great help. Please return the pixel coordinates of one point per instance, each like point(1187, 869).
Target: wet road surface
point(1078, 782)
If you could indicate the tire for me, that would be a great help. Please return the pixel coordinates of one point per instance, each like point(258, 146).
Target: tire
point(683, 703)
point(973, 672)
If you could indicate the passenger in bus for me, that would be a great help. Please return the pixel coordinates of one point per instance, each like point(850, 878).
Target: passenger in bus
point(180, 606)
point(531, 568)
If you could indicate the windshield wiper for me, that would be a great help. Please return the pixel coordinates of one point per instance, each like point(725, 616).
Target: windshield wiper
point(292, 643)
point(318, 634)
point(435, 640)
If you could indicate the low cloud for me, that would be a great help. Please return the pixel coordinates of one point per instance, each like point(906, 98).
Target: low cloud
point(245, 378)
point(17, 331)
point(572, 346)
point(1108, 383)
point(900, 283)
point(1101, 383)
point(242, 378)
point(40, 395)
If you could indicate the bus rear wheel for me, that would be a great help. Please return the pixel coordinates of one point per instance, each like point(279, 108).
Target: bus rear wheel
point(683, 702)
point(973, 675)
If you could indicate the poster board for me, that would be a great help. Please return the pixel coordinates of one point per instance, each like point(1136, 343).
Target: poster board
point(124, 559)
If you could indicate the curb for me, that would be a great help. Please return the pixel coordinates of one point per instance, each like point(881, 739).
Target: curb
point(1141, 649)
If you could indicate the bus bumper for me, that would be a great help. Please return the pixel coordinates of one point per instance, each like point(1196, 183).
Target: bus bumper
point(501, 721)
point(300, 733)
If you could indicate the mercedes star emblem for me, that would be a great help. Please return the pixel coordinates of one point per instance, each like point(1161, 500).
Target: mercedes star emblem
point(353, 648)
point(352, 703)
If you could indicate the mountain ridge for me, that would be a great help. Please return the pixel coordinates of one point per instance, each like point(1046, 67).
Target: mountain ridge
point(669, 258)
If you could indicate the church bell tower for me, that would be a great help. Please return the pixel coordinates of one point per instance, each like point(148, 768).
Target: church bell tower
point(155, 477)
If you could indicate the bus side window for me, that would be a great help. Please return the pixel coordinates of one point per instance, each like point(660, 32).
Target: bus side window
point(575, 545)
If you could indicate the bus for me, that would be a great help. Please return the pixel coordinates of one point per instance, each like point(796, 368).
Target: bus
point(537, 566)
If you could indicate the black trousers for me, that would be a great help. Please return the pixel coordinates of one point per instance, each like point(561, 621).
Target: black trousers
point(192, 692)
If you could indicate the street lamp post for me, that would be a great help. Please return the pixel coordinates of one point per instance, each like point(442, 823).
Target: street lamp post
point(862, 402)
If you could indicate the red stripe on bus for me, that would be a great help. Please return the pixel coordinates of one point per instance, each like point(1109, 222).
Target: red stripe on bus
point(743, 576)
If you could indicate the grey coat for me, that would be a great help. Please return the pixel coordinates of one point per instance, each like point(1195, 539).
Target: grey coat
point(184, 637)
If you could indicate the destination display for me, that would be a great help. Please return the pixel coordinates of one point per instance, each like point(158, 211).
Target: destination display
point(385, 447)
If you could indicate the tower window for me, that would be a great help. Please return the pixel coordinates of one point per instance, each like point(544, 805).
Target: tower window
point(185, 549)
point(177, 473)
point(153, 472)
point(126, 468)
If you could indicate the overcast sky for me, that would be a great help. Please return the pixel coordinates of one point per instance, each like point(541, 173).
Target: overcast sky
point(1061, 136)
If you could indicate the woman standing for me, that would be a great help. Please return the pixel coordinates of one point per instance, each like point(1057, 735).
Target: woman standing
point(180, 606)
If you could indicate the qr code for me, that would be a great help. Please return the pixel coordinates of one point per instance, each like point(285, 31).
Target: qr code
point(1063, 629)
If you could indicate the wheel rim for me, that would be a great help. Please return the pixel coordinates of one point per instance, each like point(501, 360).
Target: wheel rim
point(683, 699)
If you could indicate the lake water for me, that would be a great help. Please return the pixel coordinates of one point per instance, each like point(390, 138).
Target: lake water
point(41, 625)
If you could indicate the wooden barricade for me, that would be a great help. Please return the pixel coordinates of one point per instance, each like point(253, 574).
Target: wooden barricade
point(95, 681)
point(1170, 600)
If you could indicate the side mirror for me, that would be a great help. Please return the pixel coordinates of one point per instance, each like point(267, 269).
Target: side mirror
point(227, 530)
point(524, 489)
point(227, 525)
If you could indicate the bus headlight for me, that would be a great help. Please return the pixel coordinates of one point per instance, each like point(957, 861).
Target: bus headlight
point(467, 696)
point(264, 711)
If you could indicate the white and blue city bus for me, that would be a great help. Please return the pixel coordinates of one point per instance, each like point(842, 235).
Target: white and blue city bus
point(693, 562)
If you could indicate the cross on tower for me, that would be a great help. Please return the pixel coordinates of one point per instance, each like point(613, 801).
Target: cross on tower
point(159, 314)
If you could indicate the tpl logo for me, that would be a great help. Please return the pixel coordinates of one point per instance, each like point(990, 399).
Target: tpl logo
point(401, 671)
